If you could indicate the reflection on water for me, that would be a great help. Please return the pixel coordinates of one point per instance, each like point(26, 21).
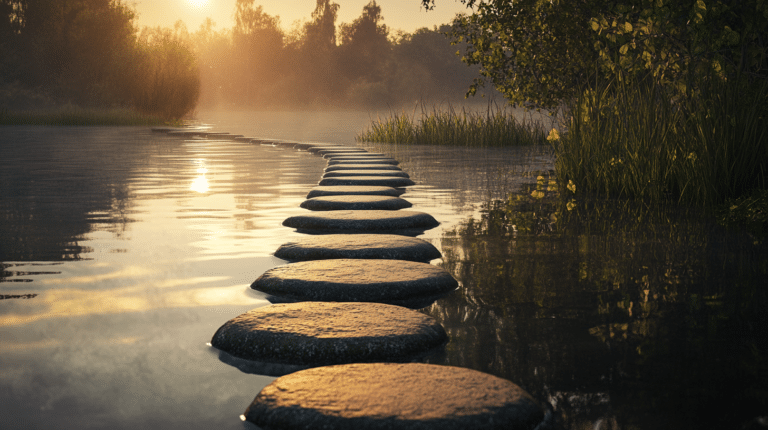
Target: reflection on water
point(618, 315)
point(122, 252)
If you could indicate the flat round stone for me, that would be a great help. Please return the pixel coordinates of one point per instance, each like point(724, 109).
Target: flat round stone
point(317, 149)
point(334, 155)
point(353, 190)
point(335, 203)
point(387, 181)
point(353, 280)
point(338, 167)
point(390, 161)
point(393, 396)
point(339, 173)
point(321, 333)
point(364, 220)
point(360, 246)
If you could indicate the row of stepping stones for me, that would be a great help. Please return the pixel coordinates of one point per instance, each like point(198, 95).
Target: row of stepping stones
point(341, 331)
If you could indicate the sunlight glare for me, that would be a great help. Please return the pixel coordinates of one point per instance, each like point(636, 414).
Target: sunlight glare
point(197, 4)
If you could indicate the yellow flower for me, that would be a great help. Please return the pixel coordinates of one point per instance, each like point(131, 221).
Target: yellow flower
point(572, 186)
point(553, 135)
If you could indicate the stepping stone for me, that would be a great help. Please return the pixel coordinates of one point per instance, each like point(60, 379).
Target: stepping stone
point(362, 167)
point(361, 246)
point(335, 203)
point(356, 280)
point(347, 151)
point(317, 149)
point(365, 220)
point(348, 157)
point(390, 161)
point(333, 155)
point(394, 396)
point(353, 190)
point(387, 181)
point(322, 333)
point(364, 172)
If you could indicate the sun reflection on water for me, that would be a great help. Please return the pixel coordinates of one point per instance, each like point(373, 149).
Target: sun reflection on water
point(200, 183)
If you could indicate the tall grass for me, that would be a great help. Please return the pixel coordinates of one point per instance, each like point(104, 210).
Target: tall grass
point(75, 116)
point(636, 140)
point(495, 127)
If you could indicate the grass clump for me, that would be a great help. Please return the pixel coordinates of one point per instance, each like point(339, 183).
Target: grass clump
point(493, 128)
point(640, 140)
point(76, 116)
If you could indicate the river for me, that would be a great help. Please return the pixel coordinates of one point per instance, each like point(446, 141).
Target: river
point(124, 250)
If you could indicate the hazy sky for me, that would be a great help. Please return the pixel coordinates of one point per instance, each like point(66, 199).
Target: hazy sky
point(407, 15)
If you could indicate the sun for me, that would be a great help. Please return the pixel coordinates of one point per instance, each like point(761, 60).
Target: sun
point(197, 3)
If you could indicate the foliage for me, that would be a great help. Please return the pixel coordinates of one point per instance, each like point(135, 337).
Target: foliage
point(70, 115)
point(89, 53)
point(495, 127)
point(542, 52)
point(636, 140)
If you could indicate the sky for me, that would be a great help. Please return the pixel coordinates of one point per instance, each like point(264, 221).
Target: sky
point(406, 15)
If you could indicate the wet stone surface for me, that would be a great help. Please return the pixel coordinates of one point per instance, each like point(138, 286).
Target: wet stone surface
point(366, 172)
point(390, 161)
point(354, 280)
point(334, 203)
point(338, 167)
point(363, 220)
point(394, 396)
point(357, 190)
point(387, 181)
point(362, 246)
point(321, 333)
point(335, 155)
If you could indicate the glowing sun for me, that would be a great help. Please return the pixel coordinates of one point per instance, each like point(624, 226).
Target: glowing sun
point(197, 3)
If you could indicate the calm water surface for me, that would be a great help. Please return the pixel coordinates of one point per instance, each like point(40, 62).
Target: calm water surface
point(123, 251)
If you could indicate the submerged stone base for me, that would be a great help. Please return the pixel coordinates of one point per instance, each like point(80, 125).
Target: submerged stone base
point(386, 181)
point(335, 203)
point(319, 333)
point(363, 220)
point(393, 396)
point(353, 280)
point(354, 190)
point(359, 246)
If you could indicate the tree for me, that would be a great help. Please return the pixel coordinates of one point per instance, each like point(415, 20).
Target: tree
point(542, 52)
point(364, 45)
point(258, 45)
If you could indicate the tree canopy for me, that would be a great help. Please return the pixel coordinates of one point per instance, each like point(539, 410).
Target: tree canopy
point(540, 52)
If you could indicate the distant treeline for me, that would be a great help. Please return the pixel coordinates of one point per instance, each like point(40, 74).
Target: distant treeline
point(320, 62)
point(91, 53)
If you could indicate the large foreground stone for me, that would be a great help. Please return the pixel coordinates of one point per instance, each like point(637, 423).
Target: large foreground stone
point(365, 172)
point(365, 220)
point(352, 280)
point(387, 181)
point(337, 167)
point(335, 203)
point(393, 396)
point(390, 161)
point(360, 246)
point(353, 190)
point(320, 333)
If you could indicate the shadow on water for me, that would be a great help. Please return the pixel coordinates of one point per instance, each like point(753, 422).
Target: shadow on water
point(617, 314)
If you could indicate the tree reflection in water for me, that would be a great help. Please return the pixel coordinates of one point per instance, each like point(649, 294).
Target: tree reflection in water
point(617, 314)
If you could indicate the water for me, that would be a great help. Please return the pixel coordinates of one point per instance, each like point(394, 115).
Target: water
point(123, 251)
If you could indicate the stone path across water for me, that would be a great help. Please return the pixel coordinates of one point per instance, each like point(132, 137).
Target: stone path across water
point(346, 285)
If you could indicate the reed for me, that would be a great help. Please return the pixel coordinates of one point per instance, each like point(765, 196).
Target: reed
point(76, 116)
point(494, 127)
point(636, 140)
